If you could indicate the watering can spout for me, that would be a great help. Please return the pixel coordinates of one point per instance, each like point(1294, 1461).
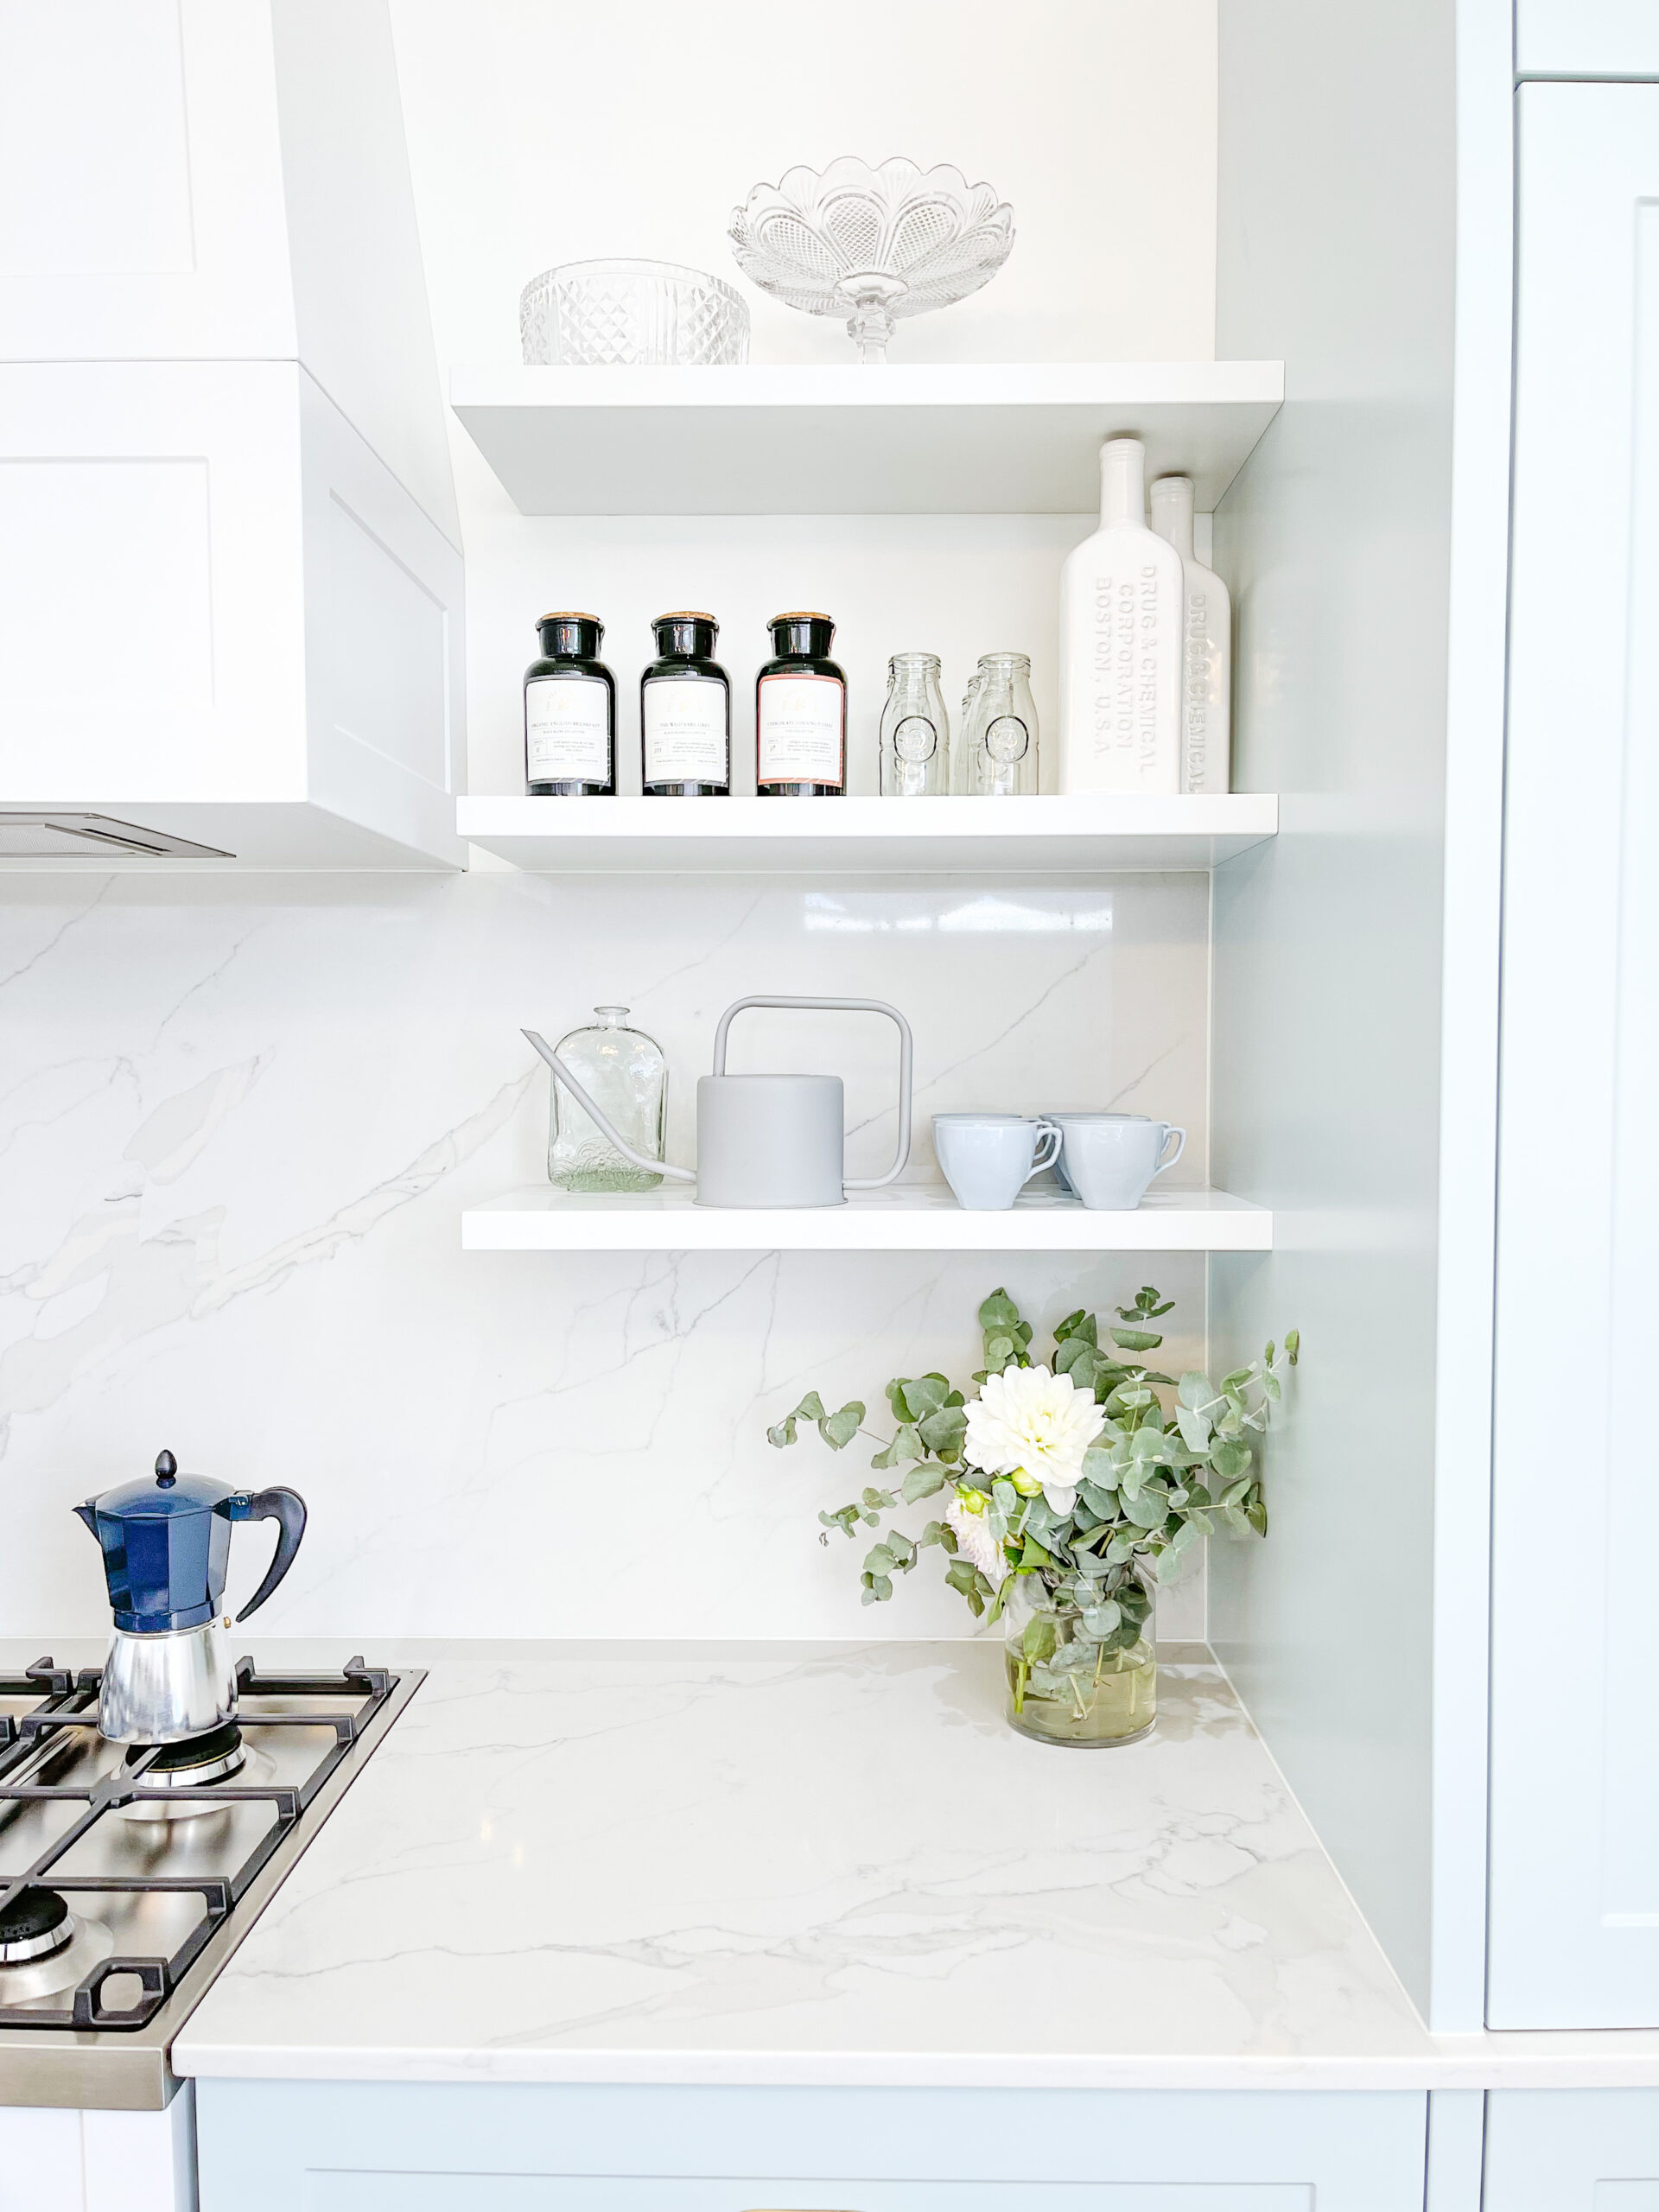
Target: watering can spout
point(599, 1115)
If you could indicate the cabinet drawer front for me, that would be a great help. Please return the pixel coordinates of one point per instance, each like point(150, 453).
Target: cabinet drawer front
point(393, 2192)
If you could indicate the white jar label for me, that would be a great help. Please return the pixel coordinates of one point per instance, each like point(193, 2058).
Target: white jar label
point(567, 730)
point(798, 737)
point(685, 719)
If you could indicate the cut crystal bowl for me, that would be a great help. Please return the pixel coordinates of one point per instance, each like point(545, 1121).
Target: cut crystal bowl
point(631, 314)
point(885, 242)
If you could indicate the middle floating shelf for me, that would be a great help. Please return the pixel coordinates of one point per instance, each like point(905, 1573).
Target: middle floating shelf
point(1089, 833)
point(906, 1217)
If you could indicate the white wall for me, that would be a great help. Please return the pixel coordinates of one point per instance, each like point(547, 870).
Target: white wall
point(240, 1116)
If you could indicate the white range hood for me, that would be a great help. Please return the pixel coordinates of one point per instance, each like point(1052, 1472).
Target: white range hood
point(230, 566)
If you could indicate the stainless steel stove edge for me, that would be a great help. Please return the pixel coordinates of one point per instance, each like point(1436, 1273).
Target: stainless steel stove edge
point(114, 2071)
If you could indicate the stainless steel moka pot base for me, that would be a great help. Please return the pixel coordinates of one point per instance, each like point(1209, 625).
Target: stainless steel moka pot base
point(159, 1688)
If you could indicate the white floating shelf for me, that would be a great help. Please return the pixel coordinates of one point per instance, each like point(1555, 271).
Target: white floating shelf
point(919, 836)
point(909, 1217)
point(1016, 438)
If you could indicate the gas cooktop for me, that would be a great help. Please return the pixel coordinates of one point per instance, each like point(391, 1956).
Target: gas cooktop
point(128, 1875)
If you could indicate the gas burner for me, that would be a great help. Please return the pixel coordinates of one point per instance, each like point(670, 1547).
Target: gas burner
point(36, 1924)
point(210, 1757)
point(199, 1763)
point(44, 1949)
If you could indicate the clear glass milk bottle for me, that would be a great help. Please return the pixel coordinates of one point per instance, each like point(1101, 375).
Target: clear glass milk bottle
point(625, 1072)
point(998, 746)
point(915, 729)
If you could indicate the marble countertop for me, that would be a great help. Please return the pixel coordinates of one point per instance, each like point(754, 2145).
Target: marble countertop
point(815, 1864)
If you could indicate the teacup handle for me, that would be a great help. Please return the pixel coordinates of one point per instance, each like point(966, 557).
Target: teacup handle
point(1052, 1135)
point(1170, 1130)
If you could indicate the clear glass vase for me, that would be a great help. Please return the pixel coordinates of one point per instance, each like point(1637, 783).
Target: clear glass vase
point(1068, 1687)
point(997, 756)
point(915, 729)
point(625, 1072)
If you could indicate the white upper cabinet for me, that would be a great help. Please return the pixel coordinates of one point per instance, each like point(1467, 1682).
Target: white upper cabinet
point(229, 557)
point(1575, 1900)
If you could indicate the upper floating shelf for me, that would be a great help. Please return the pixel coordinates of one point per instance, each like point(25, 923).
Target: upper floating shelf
point(1087, 834)
point(1020, 438)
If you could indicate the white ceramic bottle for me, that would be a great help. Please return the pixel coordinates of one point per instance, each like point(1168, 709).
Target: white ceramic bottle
point(1120, 643)
point(1207, 647)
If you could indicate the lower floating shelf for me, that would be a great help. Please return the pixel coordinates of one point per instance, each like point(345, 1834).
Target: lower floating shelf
point(907, 1217)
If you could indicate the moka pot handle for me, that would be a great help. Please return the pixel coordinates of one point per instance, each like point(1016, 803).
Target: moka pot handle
point(599, 1115)
point(906, 1055)
point(284, 1506)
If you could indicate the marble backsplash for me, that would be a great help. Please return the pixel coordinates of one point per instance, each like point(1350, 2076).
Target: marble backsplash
point(239, 1117)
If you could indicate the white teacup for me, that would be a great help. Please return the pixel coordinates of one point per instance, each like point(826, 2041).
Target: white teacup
point(1061, 1115)
point(988, 1159)
point(1109, 1160)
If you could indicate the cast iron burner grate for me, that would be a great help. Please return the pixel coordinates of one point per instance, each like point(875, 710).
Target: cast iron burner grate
point(67, 1704)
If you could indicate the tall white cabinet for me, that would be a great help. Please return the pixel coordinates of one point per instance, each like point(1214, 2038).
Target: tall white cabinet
point(1574, 1918)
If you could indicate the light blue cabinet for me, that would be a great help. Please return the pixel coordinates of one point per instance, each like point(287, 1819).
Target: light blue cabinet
point(1572, 2151)
point(383, 2147)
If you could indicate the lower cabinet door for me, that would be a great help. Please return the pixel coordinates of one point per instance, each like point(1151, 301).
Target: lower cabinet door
point(396, 2147)
point(1572, 2151)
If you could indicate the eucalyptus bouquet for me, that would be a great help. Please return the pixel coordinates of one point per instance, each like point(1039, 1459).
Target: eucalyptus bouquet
point(1074, 1489)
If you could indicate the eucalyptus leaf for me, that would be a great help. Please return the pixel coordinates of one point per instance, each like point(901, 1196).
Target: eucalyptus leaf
point(1194, 1428)
point(922, 1481)
point(925, 1395)
point(1038, 1638)
point(840, 1427)
point(943, 1432)
point(1100, 1620)
point(905, 1446)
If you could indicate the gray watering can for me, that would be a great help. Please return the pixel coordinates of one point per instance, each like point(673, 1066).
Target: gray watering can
point(767, 1139)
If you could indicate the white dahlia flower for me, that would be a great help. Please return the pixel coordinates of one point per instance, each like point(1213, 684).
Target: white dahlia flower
point(975, 1542)
point(1026, 1421)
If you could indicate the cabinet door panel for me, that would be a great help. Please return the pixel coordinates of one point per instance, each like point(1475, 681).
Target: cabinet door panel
point(1572, 2151)
point(1574, 1929)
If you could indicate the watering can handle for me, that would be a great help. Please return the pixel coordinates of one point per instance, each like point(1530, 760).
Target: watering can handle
point(564, 1074)
point(907, 1052)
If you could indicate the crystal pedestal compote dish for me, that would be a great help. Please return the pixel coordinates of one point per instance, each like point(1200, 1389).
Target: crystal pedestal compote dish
point(884, 242)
